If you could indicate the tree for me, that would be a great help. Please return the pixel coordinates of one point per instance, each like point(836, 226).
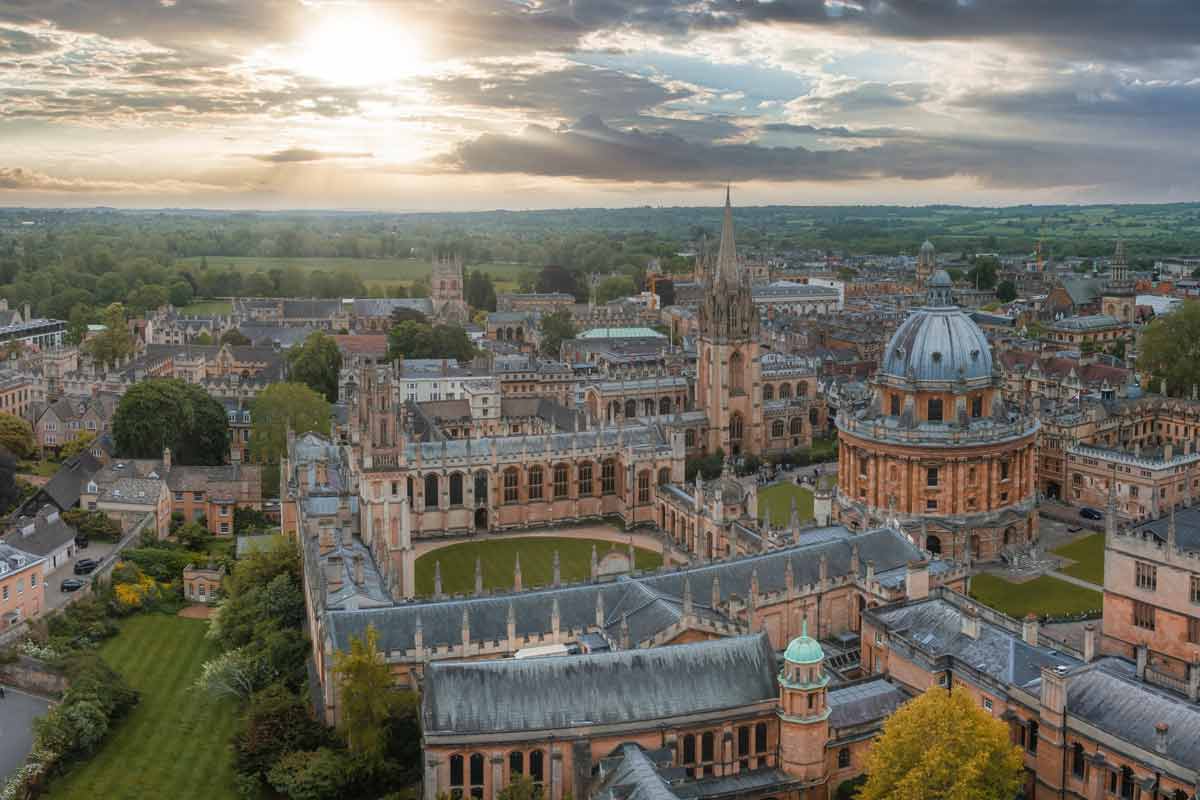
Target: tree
point(418, 340)
point(202, 338)
point(480, 291)
point(16, 435)
point(1170, 350)
point(943, 745)
point(93, 524)
point(180, 293)
point(365, 681)
point(193, 535)
point(556, 327)
point(235, 674)
point(1006, 291)
point(983, 274)
point(615, 287)
point(166, 412)
point(10, 490)
point(317, 363)
point(80, 443)
point(281, 406)
point(521, 788)
point(316, 775)
point(114, 343)
point(276, 722)
point(235, 338)
point(555, 278)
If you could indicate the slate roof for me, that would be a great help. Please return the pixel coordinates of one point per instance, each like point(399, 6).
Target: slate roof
point(1187, 529)
point(41, 535)
point(600, 689)
point(383, 307)
point(67, 484)
point(142, 491)
point(864, 702)
point(311, 309)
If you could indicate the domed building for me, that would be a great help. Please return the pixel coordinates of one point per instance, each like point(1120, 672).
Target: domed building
point(937, 451)
point(926, 264)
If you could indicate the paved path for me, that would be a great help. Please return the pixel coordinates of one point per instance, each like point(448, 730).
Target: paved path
point(1062, 576)
point(17, 711)
point(55, 596)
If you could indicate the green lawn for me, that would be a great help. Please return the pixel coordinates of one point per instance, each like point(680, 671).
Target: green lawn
point(1042, 595)
point(776, 501)
point(373, 271)
point(537, 562)
point(175, 743)
point(44, 468)
point(208, 308)
point(1088, 553)
point(823, 450)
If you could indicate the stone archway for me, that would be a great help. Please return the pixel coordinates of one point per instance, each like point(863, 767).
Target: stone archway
point(976, 547)
point(481, 519)
point(933, 544)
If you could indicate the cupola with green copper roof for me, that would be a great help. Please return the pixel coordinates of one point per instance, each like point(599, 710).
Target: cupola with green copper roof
point(804, 649)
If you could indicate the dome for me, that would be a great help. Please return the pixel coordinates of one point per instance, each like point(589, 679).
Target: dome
point(927, 247)
point(804, 649)
point(941, 278)
point(938, 344)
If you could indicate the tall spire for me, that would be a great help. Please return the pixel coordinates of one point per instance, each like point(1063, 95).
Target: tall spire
point(727, 267)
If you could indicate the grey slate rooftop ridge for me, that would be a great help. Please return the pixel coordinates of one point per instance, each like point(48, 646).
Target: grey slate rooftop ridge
point(1187, 529)
point(510, 695)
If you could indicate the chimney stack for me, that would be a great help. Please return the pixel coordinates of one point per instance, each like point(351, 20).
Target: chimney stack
point(557, 571)
point(970, 622)
point(1089, 642)
point(333, 573)
point(1193, 688)
point(916, 580)
point(1160, 738)
point(517, 574)
point(1029, 629)
point(1142, 655)
point(166, 459)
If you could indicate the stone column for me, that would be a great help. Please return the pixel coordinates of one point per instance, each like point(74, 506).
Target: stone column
point(431, 778)
point(556, 774)
point(497, 783)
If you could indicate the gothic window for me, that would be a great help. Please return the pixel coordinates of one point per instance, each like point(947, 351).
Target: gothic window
point(689, 753)
point(481, 487)
point(895, 405)
point(537, 767)
point(664, 476)
point(777, 428)
point(785, 391)
point(1143, 615)
point(456, 489)
point(608, 477)
point(476, 775)
point(516, 764)
point(935, 409)
point(664, 405)
point(410, 489)
point(735, 428)
point(630, 408)
point(431, 490)
point(743, 746)
point(1146, 576)
point(561, 474)
point(535, 483)
point(706, 751)
point(689, 438)
point(797, 426)
point(644, 486)
point(648, 407)
point(977, 406)
point(801, 389)
point(1077, 761)
point(512, 478)
point(585, 479)
point(737, 378)
point(760, 737)
point(768, 392)
point(456, 775)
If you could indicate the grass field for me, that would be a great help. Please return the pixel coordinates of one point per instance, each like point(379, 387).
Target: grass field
point(373, 271)
point(207, 308)
point(537, 562)
point(175, 743)
point(1088, 553)
point(1043, 595)
point(776, 501)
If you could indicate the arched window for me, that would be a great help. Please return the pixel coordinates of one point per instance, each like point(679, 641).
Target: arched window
point(585, 479)
point(476, 775)
point(516, 764)
point(456, 776)
point(410, 489)
point(535, 483)
point(797, 426)
point(735, 428)
point(737, 378)
point(512, 478)
point(644, 486)
point(777, 428)
point(456, 489)
point(608, 477)
point(760, 738)
point(689, 438)
point(801, 389)
point(648, 407)
point(689, 753)
point(481, 487)
point(933, 544)
point(431, 490)
point(537, 767)
point(1077, 761)
point(520, 334)
point(785, 391)
point(561, 475)
point(812, 416)
point(706, 752)
point(664, 405)
point(664, 476)
point(630, 408)
point(844, 758)
point(768, 392)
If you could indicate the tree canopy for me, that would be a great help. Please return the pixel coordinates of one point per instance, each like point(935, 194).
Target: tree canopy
point(412, 339)
point(114, 342)
point(278, 407)
point(16, 435)
point(167, 412)
point(316, 363)
point(983, 274)
point(480, 291)
point(365, 681)
point(943, 746)
point(1170, 350)
point(556, 327)
point(1006, 290)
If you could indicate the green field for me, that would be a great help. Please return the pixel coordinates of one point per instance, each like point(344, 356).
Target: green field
point(208, 308)
point(776, 501)
point(373, 271)
point(175, 743)
point(1088, 553)
point(1042, 596)
point(537, 562)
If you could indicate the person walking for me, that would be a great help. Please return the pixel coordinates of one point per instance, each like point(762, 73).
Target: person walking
point(1, 692)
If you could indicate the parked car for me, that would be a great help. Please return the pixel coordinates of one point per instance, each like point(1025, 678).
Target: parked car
point(86, 566)
point(81, 543)
point(71, 585)
point(1091, 513)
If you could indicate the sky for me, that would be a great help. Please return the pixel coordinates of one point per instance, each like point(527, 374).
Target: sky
point(422, 105)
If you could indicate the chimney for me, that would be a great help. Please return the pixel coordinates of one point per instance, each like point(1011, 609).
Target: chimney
point(970, 622)
point(333, 573)
point(166, 458)
point(555, 619)
point(916, 580)
point(466, 629)
point(716, 593)
point(358, 569)
point(1029, 629)
point(1142, 655)
point(1160, 738)
point(1089, 642)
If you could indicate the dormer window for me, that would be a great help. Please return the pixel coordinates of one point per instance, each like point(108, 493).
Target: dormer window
point(92, 487)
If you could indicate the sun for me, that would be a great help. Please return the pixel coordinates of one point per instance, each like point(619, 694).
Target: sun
point(356, 47)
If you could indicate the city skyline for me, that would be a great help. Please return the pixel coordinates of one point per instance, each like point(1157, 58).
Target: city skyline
point(494, 104)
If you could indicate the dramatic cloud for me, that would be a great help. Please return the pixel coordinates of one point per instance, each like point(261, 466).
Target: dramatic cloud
point(17, 179)
point(300, 155)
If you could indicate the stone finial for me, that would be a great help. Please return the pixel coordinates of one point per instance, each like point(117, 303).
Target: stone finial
point(716, 592)
point(753, 584)
point(687, 596)
point(517, 574)
point(1171, 544)
point(557, 579)
point(418, 636)
point(466, 628)
point(789, 575)
point(625, 641)
point(595, 563)
point(1160, 738)
point(632, 557)
point(555, 618)
point(854, 559)
point(437, 579)
point(599, 609)
point(478, 576)
point(824, 567)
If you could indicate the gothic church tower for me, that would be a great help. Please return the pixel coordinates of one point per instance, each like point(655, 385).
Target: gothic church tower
point(729, 370)
point(446, 290)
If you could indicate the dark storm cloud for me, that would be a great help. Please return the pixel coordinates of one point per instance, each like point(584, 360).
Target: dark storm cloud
point(864, 97)
point(301, 155)
point(1161, 104)
point(837, 131)
point(592, 150)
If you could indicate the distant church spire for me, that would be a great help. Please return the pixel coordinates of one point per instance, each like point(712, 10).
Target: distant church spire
point(727, 268)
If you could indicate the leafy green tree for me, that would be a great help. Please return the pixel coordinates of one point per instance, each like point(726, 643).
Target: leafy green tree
point(80, 443)
point(556, 328)
point(203, 338)
point(1170, 350)
point(114, 343)
point(316, 363)
point(368, 699)
point(943, 745)
point(1006, 291)
point(93, 524)
point(167, 412)
point(180, 293)
point(615, 287)
point(412, 339)
point(480, 292)
point(278, 407)
point(147, 298)
point(16, 435)
point(235, 338)
point(983, 274)
point(319, 774)
point(80, 317)
point(521, 788)
point(193, 535)
point(276, 722)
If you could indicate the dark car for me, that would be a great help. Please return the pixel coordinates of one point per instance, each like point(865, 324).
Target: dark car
point(85, 566)
point(72, 585)
point(1090, 513)
point(81, 543)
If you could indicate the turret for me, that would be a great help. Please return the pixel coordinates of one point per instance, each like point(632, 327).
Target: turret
point(803, 710)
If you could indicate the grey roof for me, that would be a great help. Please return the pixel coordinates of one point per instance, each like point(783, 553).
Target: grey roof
point(938, 344)
point(1187, 529)
point(42, 534)
point(1083, 290)
point(1108, 695)
point(864, 702)
point(311, 309)
point(381, 307)
point(261, 334)
point(1085, 323)
point(934, 627)
point(131, 490)
point(604, 688)
point(67, 484)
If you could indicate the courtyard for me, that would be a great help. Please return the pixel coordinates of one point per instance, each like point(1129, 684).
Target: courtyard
point(175, 742)
point(1044, 596)
point(1088, 554)
point(537, 562)
point(775, 503)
